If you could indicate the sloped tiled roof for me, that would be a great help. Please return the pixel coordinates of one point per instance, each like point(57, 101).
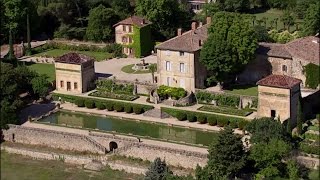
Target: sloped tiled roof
point(134, 20)
point(188, 41)
point(306, 48)
point(280, 81)
point(73, 58)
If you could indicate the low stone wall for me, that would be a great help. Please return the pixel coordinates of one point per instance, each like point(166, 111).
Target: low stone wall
point(55, 139)
point(105, 139)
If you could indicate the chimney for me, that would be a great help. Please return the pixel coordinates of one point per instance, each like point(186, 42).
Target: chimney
point(200, 24)
point(208, 20)
point(179, 32)
point(194, 25)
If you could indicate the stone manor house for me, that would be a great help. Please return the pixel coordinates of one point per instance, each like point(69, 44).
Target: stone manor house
point(179, 63)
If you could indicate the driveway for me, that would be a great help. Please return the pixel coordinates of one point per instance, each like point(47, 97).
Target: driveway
point(112, 68)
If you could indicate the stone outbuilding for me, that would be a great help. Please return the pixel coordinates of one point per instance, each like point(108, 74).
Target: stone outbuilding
point(74, 73)
point(278, 97)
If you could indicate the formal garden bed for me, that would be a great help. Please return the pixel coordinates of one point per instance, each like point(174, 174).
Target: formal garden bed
point(110, 88)
point(310, 143)
point(53, 49)
point(226, 110)
point(204, 118)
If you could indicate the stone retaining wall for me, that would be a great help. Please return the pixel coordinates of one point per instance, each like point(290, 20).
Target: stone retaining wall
point(55, 139)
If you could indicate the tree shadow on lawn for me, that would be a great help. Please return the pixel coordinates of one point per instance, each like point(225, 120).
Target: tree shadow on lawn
point(239, 87)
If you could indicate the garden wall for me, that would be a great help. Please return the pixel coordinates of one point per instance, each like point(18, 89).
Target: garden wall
point(54, 139)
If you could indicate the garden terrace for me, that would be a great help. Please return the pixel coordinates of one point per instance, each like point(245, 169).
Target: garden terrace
point(226, 110)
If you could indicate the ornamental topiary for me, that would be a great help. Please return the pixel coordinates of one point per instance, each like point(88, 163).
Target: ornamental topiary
point(100, 105)
point(137, 109)
point(80, 102)
point(89, 103)
point(118, 107)
point(191, 117)
point(212, 120)
point(109, 106)
point(222, 122)
point(181, 116)
point(128, 108)
point(201, 119)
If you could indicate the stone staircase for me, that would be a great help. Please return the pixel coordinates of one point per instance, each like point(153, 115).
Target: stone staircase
point(156, 113)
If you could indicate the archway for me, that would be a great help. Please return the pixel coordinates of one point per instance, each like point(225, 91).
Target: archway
point(113, 145)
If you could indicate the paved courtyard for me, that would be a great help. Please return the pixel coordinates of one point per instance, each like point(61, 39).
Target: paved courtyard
point(113, 68)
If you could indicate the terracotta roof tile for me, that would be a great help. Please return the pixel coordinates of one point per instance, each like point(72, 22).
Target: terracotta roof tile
point(134, 20)
point(73, 58)
point(189, 41)
point(280, 81)
point(274, 50)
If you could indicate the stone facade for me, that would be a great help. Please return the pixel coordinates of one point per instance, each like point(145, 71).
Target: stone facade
point(77, 78)
point(180, 69)
point(124, 35)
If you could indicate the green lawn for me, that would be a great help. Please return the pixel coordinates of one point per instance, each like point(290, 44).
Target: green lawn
point(225, 110)
point(273, 14)
point(243, 90)
point(47, 69)
point(128, 69)
point(99, 56)
point(17, 167)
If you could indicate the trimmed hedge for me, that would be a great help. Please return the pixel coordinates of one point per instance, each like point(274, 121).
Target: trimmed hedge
point(100, 105)
point(89, 103)
point(79, 102)
point(212, 119)
point(181, 116)
point(118, 107)
point(128, 108)
point(137, 108)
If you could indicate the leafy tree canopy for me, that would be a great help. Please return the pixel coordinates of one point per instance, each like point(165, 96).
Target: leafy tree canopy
point(40, 85)
point(311, 21)
point(230, 46)
point(234, 5)
point(226, 157)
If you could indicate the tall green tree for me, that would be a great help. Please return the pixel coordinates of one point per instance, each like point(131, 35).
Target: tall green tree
point(234, 5)
point(226, 157)
point(166, 16)
point(100, 24)
point(287, 19)
point(13, 12)
point(40, 85)
point(230, 46)
point(268, 157)
point(158, 170)
point(311, 20)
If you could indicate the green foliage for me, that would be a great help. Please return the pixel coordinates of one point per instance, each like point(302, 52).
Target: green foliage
point(226, 110)
point(261, 33)
point(309, 149)
point(234, 5)
point(100, 24)
point(288, 19)
point(268, 157)
point(242, 124)
point(265, 129)
point(230, 46)
point(212, 120)
point(137, 109)
point(202, 119)
point(312, 72)
point(158, 170)
point(282, 37)
point(222, 122)
point(226, 157)
point(118, 107)
point(128, 108)
point(111, 85)
point(109, 106)
point(311, 24)
point(142, 41)
point(181, 116)
point(89, 103)
point(40, 85)
point(221, 99)
point(166, 16)
point(174, 92)
point(191, 117)
point(110, 95)
point(79, 102)
point(100, 105)
point(293, 169)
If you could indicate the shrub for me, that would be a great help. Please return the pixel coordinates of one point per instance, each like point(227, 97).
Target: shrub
point(109, 106)
point(137, 109)
point(212, 120)
point(79, 102)
point(128, 108)
point(242, 124)
point(234, 124)
point(201, 119)
point(118, 107)
point(174, 92)
point(222, 122)
point(181, 116)
point(100, 105)
point(191, 117)
point(89, 103)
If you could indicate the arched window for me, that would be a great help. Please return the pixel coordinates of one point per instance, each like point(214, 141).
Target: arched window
point(284, 68)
